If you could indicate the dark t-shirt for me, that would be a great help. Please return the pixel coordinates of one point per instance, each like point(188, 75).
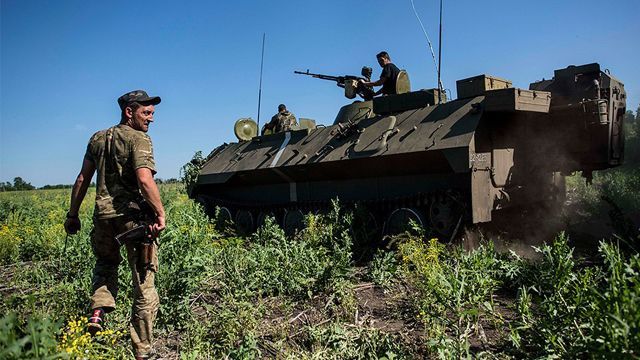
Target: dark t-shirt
point(390, 72)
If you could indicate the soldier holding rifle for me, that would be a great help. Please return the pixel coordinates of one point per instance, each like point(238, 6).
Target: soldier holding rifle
point(126, 197)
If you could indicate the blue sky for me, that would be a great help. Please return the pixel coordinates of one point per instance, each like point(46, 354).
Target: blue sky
point(64, 63)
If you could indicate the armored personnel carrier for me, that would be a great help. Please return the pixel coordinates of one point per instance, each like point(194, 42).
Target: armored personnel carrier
point(415, 156)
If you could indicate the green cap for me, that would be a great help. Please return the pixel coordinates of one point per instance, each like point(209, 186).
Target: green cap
point(140, 96)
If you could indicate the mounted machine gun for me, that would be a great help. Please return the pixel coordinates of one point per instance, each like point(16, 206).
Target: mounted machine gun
point(352, 84)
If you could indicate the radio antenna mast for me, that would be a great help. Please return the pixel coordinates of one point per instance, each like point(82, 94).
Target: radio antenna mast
point(440, 87)
point(433, 55)
point(260, 88)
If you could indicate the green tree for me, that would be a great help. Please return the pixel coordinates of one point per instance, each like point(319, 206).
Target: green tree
point(632, 122)
point(191, 169)
point(57, 186)
point(6, 186)
point(637, 124)
point(629, 117)
point(20, 184)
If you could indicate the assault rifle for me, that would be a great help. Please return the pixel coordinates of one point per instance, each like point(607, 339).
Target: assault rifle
point(350, 83)
point(140, 237)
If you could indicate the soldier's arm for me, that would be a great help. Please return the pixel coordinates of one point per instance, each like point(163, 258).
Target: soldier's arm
point(72, 223)
point(80, 186)
point(270, 125)
point(378, 82)
point(145, 167)
point(151, 194)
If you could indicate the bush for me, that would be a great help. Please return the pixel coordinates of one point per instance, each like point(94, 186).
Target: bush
point(454, 292)
point(571, 312)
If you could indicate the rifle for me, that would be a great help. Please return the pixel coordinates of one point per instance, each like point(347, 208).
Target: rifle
point(140, 237)
point(338, 79)
point(365, 92)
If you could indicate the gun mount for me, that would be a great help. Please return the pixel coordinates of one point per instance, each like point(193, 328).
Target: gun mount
point(409, 157)
point(352, 84)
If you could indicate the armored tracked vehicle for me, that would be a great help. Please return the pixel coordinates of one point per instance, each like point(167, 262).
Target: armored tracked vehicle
point(415, 156)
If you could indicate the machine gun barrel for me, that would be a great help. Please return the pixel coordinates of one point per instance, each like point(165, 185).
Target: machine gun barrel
point(339, 79)
point(350, 83)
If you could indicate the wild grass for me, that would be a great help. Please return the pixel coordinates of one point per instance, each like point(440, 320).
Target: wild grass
point(574, 312)
point(270, 295)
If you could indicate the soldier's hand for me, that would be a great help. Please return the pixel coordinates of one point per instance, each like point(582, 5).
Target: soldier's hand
point(72, 225)
point(158, 226)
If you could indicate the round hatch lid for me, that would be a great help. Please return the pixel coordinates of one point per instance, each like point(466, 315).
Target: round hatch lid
point(245, 129)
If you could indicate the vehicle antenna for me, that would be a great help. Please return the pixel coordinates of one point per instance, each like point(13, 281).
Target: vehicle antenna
point(433, 55)
point(260, 88)
point(440, 87)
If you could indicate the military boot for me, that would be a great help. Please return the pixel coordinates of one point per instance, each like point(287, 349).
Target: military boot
point(96, 321)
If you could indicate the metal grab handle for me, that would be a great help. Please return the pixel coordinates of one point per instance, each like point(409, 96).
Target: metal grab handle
point(323, 149)
point(388, 132)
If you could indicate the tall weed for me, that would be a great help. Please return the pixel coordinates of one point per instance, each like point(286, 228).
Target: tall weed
point(337, 341)
point(570, 311)
point(454, 292)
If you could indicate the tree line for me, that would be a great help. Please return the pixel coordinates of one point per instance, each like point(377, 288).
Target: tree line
point(630, 118)
point(20, 184)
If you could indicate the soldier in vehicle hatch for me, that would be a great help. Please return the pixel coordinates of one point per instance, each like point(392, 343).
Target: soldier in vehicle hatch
point(388, 76)
point(122, 157)
point(280, 122)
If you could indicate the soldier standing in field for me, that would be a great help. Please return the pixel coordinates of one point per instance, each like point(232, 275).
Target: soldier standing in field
point(122, 156)
point(280, 122)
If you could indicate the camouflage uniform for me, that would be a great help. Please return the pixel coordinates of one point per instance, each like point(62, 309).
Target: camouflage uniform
point(282, 121)
point(117, 152)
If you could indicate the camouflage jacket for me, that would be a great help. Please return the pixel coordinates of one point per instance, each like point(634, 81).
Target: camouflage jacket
point(282, 122)
point(116, 153)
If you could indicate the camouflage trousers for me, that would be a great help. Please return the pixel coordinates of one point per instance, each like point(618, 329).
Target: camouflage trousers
point(105, 280)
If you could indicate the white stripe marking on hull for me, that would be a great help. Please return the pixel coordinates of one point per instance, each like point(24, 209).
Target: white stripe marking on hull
point(287, 137)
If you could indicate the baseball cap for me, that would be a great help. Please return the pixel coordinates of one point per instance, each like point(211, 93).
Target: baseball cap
point(140, 96)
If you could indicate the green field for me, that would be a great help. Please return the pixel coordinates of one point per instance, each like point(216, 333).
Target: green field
point(319, 295)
